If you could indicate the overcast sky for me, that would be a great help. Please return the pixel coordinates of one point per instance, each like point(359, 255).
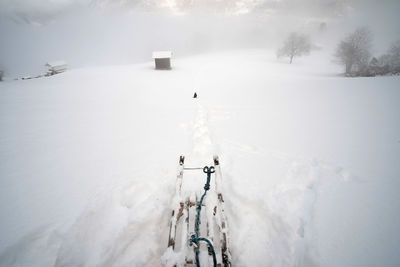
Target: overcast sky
point(37, 8)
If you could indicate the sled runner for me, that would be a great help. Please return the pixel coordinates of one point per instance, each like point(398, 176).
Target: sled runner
point(187, 229)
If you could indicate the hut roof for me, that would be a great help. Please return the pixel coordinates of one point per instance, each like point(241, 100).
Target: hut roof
point(56, 64)
point(162, 54)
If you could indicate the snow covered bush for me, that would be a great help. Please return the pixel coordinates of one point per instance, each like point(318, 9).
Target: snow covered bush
point(374, 66)
point(295, 45)
point(388, 63)
point(354, 52)
point(394, 58)
point(378, 66)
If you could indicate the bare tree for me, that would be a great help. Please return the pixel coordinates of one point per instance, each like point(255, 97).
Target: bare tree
point(354, 51)
point(294, 46)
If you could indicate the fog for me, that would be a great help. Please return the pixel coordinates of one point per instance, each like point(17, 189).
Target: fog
point(86, 33)
point(69, 136)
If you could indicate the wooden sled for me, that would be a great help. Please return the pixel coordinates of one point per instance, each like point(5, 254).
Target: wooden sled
point(213, 223)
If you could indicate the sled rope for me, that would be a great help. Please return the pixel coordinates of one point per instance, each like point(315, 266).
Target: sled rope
point(187, 168)
point(195, 237)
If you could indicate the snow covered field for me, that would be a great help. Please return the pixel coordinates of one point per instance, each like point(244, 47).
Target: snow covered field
point(310, 161)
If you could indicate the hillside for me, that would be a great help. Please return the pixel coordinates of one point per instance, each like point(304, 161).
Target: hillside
point(310, 161)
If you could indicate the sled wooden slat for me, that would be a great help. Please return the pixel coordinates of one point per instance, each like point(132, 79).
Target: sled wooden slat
point(220, 211)
point(177, 212)
point(213, 224)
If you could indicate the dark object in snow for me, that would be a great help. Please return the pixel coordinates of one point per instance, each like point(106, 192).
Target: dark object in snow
point(31, 77)
point(195, 95)
point(162, 60)
point(322, 27)
point(56, 67)
point(184, 219)
point(1, 75)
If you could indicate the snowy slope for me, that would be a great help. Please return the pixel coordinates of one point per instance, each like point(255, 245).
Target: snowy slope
point(310, 161)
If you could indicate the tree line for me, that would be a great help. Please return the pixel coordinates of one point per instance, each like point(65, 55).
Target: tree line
point(353, 52)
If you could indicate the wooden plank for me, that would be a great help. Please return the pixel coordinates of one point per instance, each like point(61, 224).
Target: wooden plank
point(191, 221)
point(177, 212)
point(220, 212)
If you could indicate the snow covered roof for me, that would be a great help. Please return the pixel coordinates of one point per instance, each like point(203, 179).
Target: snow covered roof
point(56, 63)
point(162, 54)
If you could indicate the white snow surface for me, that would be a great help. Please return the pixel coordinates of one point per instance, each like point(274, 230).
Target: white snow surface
point(310, 161)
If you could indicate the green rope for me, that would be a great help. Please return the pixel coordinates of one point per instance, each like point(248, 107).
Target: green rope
point(195, 238)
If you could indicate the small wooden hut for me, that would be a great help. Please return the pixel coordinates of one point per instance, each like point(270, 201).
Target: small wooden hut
point(162, 60)
point(56, 67)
